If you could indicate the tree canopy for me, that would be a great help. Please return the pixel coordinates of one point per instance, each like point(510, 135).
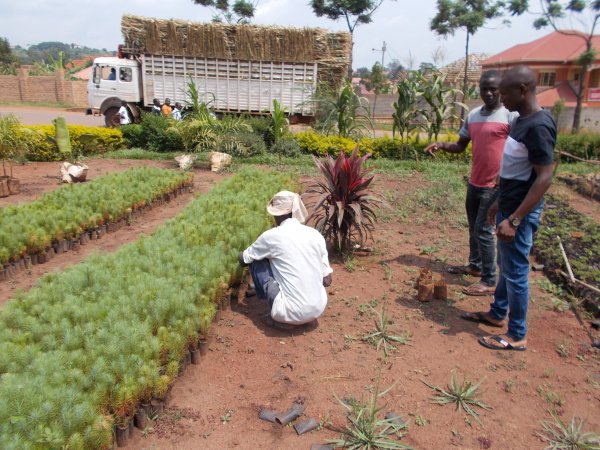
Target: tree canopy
point(238, 11)
point(586, 13)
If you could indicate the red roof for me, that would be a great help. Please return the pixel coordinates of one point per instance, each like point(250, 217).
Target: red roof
point(549, 97)
point(554, 47)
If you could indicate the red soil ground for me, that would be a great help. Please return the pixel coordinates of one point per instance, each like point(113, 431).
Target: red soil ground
point(215, 405)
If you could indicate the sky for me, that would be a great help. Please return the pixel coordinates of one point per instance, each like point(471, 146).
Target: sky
point(402, 24)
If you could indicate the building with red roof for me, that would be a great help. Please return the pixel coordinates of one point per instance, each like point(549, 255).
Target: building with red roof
point(554, 59)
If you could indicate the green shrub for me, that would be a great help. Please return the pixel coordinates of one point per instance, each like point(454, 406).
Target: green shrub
point(133, 135)
point(383, 147)
point(40, 149)
point(262, 126)
point(241, 144)
point(160, 134)
point(286, 147)
point(584, 145)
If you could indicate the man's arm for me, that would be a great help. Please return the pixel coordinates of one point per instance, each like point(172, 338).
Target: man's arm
point(450, 147)
point(327, 280)
point(506, 232)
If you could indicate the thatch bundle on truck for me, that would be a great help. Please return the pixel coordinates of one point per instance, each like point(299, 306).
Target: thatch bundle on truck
point(331, 51)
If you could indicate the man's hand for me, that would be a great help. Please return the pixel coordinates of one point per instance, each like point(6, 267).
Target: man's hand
point(241, 260)
point(491, 213)
point(505, 231)
point(432, 148)
point(327, 280)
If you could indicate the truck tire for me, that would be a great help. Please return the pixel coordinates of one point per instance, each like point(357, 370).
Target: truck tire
point(111, 118)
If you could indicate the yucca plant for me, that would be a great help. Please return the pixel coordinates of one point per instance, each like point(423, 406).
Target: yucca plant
point(345, 210)
point(568, 436)
point(366, 429)
point(463, 395)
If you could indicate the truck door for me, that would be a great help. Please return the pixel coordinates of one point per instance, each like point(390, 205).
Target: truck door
point(103, 85)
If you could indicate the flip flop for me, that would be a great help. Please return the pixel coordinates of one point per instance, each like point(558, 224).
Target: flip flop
point(479, 289)
point(479, 317)
point(505, 345)
point(463, 270)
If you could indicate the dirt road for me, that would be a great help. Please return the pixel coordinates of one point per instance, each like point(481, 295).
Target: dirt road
point(37, 115)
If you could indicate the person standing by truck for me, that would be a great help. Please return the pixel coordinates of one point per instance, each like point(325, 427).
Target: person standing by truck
point(166, 108)
point(156, 107)
point(177, 112)
point(124, 114)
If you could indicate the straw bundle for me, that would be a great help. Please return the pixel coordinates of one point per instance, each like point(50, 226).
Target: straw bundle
point(245, 42)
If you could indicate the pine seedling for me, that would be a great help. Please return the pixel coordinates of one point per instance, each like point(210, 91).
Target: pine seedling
point(463, 395)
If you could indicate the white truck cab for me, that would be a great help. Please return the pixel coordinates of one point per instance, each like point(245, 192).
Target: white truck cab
point(114, 80)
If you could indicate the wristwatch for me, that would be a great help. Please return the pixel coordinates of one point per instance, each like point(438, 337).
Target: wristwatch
point(514, 222)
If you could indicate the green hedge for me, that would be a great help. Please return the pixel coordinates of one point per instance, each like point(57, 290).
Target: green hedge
point(40, 149)
point(383, 147)
point(85, 346)
point(72, 209)
point(584, 145)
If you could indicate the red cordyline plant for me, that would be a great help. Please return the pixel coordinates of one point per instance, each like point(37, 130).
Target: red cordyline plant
point(345, 211)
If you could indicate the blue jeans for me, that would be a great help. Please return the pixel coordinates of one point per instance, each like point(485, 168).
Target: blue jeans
point(482, 241)
point(512, 292)
point(264, 283)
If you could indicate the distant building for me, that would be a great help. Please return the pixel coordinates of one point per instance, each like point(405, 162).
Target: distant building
point(554, 60)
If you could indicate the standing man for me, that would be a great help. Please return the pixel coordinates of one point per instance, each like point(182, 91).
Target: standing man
point(525, 176)
point(177, 112)
point(488, 127)
point(166, 108)
point(289, 264)
point(124, 114)
point(156, 107)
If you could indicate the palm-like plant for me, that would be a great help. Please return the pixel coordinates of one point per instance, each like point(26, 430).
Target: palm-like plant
point(345, 211)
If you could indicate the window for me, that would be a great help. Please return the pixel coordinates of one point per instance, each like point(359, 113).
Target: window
point(97, 74)
point(109, 73)
point(547, 79)
point(125, 74)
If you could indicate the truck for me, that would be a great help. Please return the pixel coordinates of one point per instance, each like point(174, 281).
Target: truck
point(159, 60)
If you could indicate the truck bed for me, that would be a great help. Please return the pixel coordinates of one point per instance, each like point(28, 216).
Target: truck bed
point(231, 85)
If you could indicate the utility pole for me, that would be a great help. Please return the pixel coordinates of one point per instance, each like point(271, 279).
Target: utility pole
point(382, 50)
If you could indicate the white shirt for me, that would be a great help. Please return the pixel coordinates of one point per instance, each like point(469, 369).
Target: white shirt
point(124, 116)
point(176, 114)
point(299, 261)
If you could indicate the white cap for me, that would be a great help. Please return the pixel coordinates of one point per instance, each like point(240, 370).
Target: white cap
point(286, 202)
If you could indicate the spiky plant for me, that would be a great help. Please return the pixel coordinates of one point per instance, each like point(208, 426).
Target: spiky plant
point(366, 430)
point(463, 395)
point(345, 210)
point(568, 436)
point(381, 337)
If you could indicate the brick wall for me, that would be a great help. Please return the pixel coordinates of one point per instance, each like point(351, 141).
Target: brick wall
point(46, 89)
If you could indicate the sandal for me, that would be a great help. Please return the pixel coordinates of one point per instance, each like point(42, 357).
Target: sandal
point(480, 317)
point(479, 289)
point(504, 344)
point(463, 270)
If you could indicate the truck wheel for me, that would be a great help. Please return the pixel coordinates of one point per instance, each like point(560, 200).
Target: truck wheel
point(111, 118)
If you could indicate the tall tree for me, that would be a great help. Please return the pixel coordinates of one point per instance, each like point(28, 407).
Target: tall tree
point(239, 11)
point(469, 15)
point(6, 54)
point(354, 12)
point(587, 14)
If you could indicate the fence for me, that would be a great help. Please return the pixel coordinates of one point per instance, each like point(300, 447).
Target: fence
point(42, 89)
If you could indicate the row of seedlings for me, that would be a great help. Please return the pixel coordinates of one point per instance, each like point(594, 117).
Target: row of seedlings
point(82, 351)
point(70, 216)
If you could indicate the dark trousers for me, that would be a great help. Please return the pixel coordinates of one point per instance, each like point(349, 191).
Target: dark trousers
point(482, 241)
point(264, 283)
